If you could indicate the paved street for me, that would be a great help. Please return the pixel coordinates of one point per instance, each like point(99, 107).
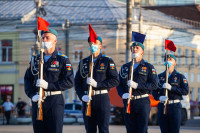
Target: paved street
point(192, 126)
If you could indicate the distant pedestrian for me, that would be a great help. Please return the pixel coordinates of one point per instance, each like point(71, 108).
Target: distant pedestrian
point(8, 108)
point(21, 105)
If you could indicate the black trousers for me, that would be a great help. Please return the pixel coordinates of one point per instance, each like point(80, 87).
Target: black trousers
point(7, 114)
point(100, 114)
point(170, 122)
point(137, 120)
point(53, 114)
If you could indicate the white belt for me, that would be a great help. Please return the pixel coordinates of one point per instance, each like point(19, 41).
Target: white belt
point(173, 101)
point(97, 92)
point(50, 93)
point(140, 96)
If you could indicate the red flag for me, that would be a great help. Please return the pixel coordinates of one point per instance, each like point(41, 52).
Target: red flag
point(93, 35)
point(42, 24)
point(169, 45)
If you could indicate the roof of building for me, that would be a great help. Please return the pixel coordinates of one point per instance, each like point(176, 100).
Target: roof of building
point(77, 11)
point(81, 12)
point(187, 12)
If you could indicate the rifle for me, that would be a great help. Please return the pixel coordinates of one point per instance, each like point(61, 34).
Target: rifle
point(90, 90)
point(128, 107)
point(166, 77)
point(40, 90)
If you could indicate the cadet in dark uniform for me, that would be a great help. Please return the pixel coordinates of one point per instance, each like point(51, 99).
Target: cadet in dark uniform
point(58, 76)
point(144, 81)
point(105, 76)
point(177, 86)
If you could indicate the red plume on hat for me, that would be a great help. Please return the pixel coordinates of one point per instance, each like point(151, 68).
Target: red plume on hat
point(93, 35)
point(169, 45)
point(42, 24)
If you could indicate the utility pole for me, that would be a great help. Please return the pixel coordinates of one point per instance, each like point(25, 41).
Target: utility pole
point(38, 6)
point(67, 37)
point(140, 19)
point(128, 28)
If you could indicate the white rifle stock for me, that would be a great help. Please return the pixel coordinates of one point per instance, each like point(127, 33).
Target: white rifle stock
point(166, 91)
point(128, 107)
point(41, 91)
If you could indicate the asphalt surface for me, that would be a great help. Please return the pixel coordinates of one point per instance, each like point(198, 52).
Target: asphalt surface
point(192, 126)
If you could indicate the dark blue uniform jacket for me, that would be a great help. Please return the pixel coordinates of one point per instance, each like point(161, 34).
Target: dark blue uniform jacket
point(177, 81)
point(145, 75)
point(57, 72)
point(104, 73)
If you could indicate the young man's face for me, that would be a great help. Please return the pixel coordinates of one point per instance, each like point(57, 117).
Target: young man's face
point(138, 49)
point(98, 43)
point(172, 60)
point(49, 37)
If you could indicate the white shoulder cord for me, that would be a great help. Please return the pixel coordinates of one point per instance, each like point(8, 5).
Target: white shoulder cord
point(123, 75)
point(33, 67)
point(82, 70)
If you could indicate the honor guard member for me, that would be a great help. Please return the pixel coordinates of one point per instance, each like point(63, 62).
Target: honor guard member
point(144, 81)
point(58, 76)
point(177, 86)
point(105, 76)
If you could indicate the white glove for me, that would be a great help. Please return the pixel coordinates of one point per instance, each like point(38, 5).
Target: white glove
point(35, 98)
point(125, 96)
point(163, 98)
point(91, 82)
point(42, 83)
point(132, 84)
point(167, 86)
point(86, 98)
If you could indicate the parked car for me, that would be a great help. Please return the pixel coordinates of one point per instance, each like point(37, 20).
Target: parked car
point(73, 110)
point(185, 112)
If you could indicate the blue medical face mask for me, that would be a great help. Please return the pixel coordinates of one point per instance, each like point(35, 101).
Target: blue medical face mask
point(95, 48)
point(169, 63)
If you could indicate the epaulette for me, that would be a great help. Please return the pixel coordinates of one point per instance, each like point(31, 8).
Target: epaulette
point(60, 54)
point(37, 56)
point(178, 72)
point(147, 62)
point(105, 56)
point(84, 58)
point(161, 73)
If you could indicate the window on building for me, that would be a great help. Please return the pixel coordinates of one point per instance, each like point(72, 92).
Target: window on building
point(163, 55)
point(179, 57)
point(6, 51)
point(192, 77)
point(192, 94)
point(6, 90)
point(78, 53)
point(66, 96)
point(198, 94)
point(155, 55)
point(198, 78)
point(192, 60)
point(186, 75)
point(198, 61)
point(186, 58)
